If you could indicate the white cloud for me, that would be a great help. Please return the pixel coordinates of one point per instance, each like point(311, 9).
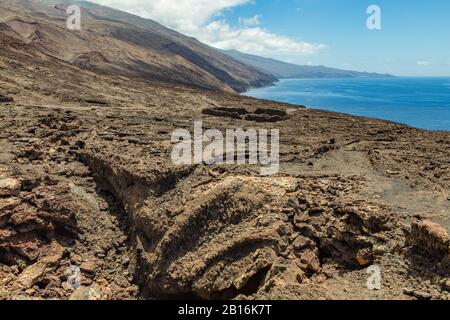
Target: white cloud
point(253, 40)
point(186, 15)
point(424, 63)
point(201, 19)
point(251, 22)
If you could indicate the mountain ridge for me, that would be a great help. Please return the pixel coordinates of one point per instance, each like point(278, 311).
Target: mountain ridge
point(284, 70)
point(120, 43)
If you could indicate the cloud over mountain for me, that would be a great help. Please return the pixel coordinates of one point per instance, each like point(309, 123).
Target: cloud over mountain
point(202, 19)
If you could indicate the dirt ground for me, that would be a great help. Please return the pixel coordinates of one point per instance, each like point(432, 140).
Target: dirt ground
point(86, 181)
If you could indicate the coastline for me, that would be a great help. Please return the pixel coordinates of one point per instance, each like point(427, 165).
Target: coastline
point(365, 97)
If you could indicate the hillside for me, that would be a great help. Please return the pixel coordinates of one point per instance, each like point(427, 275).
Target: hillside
point(283, 70)
point(116, 42)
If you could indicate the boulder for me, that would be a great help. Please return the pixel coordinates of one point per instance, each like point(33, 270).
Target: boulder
point(430, 238)
point(9, 187)
point(36, 272)
point(94, 292)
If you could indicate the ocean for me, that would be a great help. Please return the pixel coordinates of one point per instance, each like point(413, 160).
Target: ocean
point(418, 102)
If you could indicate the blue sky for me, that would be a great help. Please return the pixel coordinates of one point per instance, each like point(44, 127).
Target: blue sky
point(414, 38)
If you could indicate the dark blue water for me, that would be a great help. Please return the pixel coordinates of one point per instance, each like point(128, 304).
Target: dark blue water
point(418, 102)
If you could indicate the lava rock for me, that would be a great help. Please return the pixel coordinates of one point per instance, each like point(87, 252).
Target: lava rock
point(430, 238)
point(4, 99)
point(9, 187)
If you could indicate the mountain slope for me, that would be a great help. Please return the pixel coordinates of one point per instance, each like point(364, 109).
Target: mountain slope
point(116, 42)
point(283, 70)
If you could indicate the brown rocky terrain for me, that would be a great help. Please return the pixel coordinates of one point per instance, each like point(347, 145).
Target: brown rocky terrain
point(86, 180)
point(115, 42)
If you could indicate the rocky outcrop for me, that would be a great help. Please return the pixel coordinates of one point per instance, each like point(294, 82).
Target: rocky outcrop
point(53, 220)
point(4, 99)
point(258, 115)
point(224, 238)
point(432, 241)
point(9, 187)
